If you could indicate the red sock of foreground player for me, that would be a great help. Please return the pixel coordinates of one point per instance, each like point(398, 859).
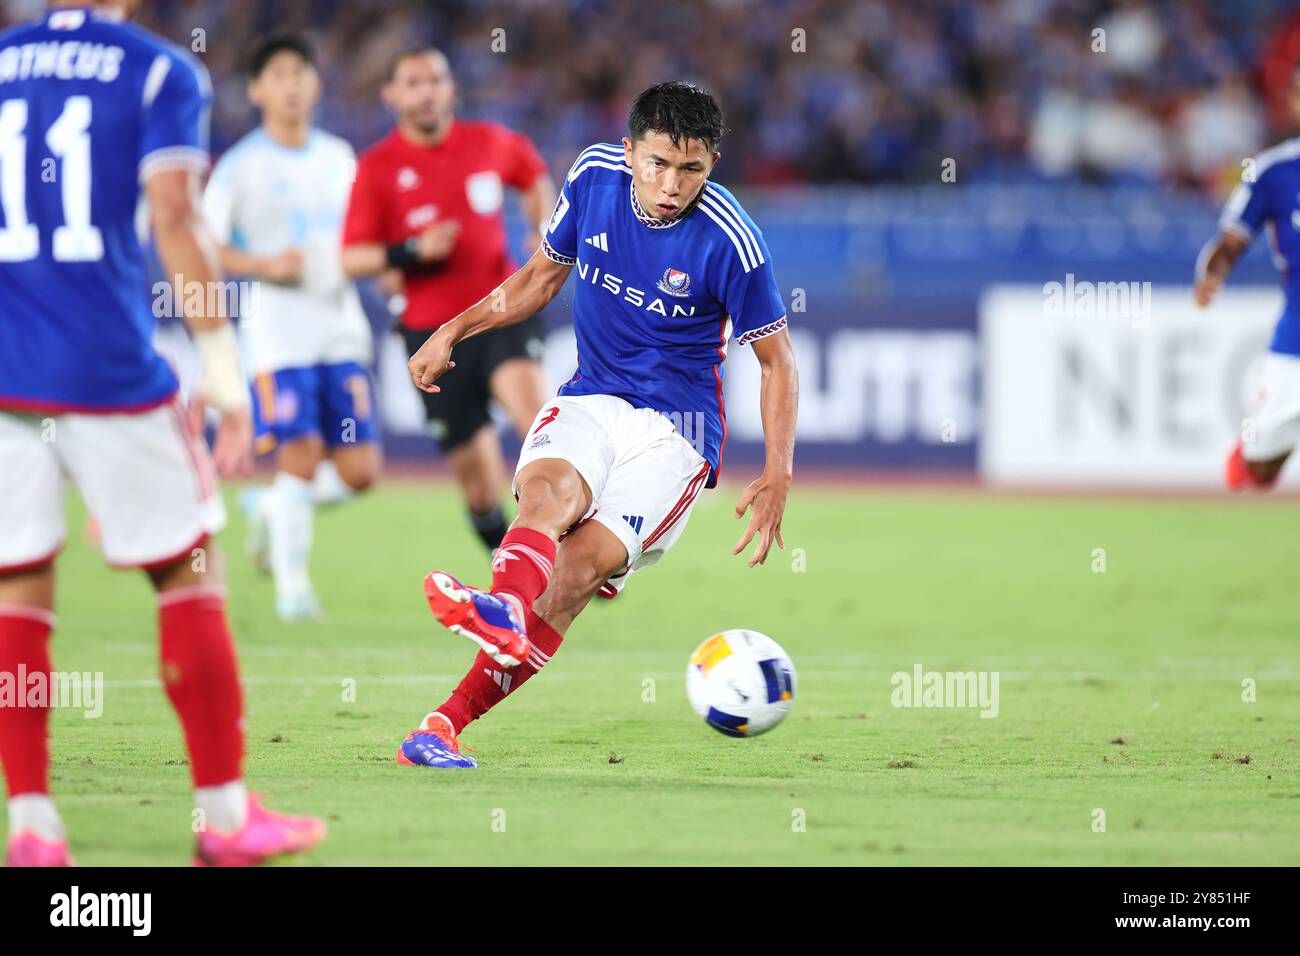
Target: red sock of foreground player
point(488, 683)
point(522, 566)
point(24, 729)
point(201, 677)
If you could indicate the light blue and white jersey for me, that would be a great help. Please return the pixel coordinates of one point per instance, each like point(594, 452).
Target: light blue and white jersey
point(266, 198)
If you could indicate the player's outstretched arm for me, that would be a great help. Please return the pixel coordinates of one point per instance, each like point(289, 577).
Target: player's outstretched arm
point(525, 293)
point(779, 403)
point(190, 256)
point(1215, 264)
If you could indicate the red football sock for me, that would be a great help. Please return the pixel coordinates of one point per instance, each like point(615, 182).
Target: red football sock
point(522, 566)
point(488, 683)
point(201, 676)
point(24, 730)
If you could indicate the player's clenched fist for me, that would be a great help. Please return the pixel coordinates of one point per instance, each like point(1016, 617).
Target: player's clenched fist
point(429, 363)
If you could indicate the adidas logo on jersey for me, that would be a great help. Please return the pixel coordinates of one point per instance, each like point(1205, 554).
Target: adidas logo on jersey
point(635, 521)
point(599, 241)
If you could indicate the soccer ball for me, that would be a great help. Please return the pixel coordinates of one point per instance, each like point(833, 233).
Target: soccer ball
point(740, 682)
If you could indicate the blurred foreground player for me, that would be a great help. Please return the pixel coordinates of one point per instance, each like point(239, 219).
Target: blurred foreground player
point(276, 202)
point(84, 394)
point(1265, 198)
point(669, 268)
point(427, 202)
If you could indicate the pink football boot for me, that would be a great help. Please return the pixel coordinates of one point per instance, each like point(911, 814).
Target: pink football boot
point(27, 849)
point(265, 834)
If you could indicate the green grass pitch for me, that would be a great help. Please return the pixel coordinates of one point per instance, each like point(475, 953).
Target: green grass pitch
point(1120, 691)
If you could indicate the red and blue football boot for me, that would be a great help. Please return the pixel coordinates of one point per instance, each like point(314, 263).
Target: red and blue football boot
point(433, 744)
point(489, 620)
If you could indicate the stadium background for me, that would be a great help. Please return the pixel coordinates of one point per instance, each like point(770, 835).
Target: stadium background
point(923, 308)
point(904, 159)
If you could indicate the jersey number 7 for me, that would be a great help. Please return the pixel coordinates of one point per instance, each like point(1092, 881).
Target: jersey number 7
point(69, 139)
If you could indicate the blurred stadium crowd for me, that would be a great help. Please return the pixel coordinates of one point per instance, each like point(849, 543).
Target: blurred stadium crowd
point(885, 90)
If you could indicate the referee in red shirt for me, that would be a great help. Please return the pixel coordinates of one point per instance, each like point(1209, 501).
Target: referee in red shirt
point(427, 202)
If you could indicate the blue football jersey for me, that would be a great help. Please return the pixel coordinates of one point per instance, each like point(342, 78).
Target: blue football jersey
point(90, 107)
point(1272, 202)
point(657, 302)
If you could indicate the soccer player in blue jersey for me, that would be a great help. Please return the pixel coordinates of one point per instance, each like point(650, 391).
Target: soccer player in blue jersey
point(669, 270)
point(94, 112)
point(1266, 199)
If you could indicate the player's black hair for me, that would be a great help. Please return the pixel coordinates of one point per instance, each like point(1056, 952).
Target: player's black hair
point(278, 43)
point(682, 110)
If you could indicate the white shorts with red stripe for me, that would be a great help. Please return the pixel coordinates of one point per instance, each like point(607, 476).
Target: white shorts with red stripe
point(1275, 413)
point(148, 482)
point(643, 475)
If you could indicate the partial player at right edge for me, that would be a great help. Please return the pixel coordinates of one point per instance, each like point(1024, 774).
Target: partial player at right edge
point(1265, 198)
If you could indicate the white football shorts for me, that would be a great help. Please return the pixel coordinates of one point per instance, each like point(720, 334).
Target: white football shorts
point(643, 475)
point(1275, 413)
point(148, 482)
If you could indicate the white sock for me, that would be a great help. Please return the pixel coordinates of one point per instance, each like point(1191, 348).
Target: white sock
point(225, 807)
point(289, 516)
point(327, 488)
point(35, 813)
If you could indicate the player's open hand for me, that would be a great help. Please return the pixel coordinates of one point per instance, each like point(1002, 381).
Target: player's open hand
point(232, 451)
point(431, 362)
point(766, 495)
point(1205, 289)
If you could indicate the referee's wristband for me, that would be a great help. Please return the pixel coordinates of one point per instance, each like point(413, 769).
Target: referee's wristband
point(403, 255)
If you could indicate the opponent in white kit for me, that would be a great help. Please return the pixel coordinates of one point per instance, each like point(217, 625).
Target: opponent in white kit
point(276, 202)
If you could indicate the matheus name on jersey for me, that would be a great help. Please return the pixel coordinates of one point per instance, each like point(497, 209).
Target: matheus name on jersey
point(90, 107)
point(658, 301)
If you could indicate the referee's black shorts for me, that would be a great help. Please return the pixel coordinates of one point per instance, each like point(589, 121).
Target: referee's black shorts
point(460, 409)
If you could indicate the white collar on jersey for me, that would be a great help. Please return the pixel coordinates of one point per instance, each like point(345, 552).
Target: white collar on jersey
point(650, 221)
